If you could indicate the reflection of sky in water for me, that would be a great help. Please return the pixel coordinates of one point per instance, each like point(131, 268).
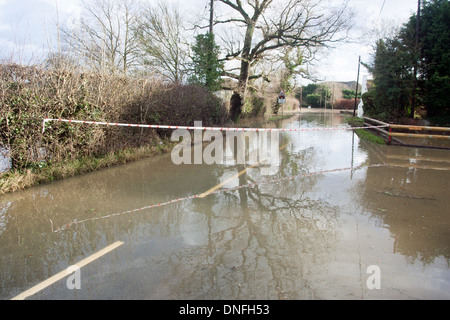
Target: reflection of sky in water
point(337, 153)
point(306, 148)
point(227, 180)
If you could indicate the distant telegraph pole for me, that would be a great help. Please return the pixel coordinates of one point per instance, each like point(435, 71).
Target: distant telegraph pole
point(301, 96)
point(211, 17)
point(357, 84)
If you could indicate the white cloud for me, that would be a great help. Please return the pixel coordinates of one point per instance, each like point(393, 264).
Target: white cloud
point(341, 64)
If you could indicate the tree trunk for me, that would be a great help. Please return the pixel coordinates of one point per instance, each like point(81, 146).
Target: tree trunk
point(237, 99)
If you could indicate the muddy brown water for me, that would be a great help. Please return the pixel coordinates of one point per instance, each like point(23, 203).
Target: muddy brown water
point(312, 237)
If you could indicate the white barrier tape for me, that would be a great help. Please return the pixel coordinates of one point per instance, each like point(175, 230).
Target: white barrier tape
point(250, 185)
point(152, 126)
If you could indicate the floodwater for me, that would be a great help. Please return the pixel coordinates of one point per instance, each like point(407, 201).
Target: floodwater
point(364, 232)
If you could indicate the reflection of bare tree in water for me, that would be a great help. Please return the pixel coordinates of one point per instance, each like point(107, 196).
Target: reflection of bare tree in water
point(266, 242)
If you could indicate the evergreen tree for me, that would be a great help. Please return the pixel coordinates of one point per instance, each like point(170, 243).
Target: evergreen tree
point(207, 68)
point(350, 94)
point(306, 90)
point(393, 78)
point(395, 60)
point(435, 62)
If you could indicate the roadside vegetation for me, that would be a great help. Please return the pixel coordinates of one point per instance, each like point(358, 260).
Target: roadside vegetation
point(363, 134)
point(369, 136)
point(411, 70)
point(279, 117)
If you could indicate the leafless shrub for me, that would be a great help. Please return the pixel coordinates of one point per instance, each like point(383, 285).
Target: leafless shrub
point(30, 94)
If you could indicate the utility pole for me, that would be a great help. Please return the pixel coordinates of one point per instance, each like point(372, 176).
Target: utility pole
point(320, 99)
point(211, 17)
point(301, 96)
point(332, 99)
point(357, 84)
point(416, 52)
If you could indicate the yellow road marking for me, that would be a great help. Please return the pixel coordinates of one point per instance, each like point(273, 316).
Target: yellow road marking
point(66, 272)
point(207, 193)
point(220, 185)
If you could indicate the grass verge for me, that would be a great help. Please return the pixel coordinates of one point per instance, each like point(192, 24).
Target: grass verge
point(369, 136)
point(280, 117)
point(18, 180)
point(362, 133)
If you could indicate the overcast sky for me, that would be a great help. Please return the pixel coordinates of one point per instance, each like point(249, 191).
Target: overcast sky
point(27, 29)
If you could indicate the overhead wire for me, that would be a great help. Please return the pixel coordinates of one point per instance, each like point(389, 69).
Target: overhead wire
point(381, 10)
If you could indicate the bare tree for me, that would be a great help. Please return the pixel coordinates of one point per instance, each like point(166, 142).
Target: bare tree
point(162, 41)
point(104, 37)
point(270, 25)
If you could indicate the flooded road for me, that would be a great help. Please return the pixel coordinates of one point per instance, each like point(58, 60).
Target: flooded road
point(315, 236)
